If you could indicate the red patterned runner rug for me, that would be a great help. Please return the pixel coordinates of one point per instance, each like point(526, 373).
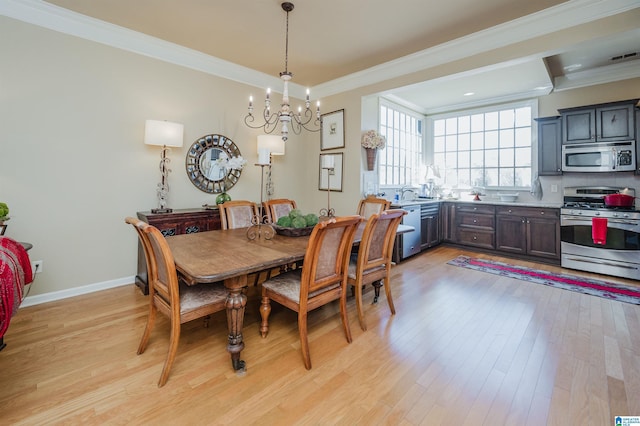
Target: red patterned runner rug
point(605, 289)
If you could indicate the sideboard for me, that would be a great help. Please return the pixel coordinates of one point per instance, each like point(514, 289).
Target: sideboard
point(179, 221)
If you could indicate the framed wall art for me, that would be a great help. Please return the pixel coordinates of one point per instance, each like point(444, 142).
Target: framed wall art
point(332, 130)
point(330, 177)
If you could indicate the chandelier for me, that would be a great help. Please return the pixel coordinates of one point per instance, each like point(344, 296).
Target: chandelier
point(287, 118)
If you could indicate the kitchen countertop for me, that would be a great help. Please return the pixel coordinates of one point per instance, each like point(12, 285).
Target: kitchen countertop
point(496, 202)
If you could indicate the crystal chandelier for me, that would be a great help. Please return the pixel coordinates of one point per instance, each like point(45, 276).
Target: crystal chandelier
point(288, 119)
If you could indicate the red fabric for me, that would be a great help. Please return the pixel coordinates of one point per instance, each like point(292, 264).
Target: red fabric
point(599, 230)
point(15, 273)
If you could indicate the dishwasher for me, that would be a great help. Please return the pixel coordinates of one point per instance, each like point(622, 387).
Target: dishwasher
point(411, 240)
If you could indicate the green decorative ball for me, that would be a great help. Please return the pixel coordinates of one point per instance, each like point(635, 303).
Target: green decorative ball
point(221, 198)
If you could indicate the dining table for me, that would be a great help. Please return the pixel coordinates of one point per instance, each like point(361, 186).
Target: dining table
point(229, 256)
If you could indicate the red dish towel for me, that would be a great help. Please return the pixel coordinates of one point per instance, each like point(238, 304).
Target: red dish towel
point(599, 230)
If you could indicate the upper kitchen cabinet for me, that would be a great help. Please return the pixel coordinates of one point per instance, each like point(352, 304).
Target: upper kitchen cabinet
point(614, 121)
point(549, 146)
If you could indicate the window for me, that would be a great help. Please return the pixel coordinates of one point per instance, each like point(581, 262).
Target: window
point(400, 161)
point(485, 148)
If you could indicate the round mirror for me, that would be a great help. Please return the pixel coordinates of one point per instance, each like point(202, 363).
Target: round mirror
point(205, 161)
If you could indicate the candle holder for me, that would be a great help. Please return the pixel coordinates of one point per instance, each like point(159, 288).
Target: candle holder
point(261, 225)
point(328, 212)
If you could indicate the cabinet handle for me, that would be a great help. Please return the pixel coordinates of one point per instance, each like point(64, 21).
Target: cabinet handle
point(541, 212)
point(510, 211)
point(475, 208)
point(528, 221)
point(475, 221)
point(475, 238)
point(522, 220)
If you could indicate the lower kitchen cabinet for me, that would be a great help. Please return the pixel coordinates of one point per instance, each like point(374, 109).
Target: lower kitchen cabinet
point(429, 225)
point(475, 225)
point(528, 231)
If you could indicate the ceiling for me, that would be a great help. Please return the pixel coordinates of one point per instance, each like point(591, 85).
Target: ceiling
point(331, 40)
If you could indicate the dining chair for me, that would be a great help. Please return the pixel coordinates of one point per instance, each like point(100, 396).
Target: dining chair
point(178, 301)
point(373, 262)
point(238, 214)
point(322, 278)
point(372, 205)
point(276, 208)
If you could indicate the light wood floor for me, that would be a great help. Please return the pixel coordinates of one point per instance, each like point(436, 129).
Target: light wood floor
point(465, 348)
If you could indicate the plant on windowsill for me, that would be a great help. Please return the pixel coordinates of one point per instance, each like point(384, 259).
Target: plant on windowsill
point(372, 141)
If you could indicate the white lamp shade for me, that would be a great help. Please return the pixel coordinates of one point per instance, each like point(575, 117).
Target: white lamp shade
point(163, 133)
point(273, 143)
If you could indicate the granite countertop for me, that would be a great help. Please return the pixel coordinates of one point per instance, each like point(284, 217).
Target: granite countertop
point(496, 202)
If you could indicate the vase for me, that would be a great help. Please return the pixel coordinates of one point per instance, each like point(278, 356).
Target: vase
point(371, 158)
point(223, 197)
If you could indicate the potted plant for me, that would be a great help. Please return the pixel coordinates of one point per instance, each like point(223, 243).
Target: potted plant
point(4, 212)
point(4, 216)
point(372, 141)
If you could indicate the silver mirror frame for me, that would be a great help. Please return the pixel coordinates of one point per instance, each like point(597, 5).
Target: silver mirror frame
point(198, 177)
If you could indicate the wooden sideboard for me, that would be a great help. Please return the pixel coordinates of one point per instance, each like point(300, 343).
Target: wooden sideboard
point(179, 221)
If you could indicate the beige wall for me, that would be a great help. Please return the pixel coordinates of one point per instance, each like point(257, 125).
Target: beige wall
point(72, 160)
point(73, 163)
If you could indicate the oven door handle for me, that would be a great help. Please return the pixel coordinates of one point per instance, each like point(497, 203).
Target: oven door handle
point(588, 222)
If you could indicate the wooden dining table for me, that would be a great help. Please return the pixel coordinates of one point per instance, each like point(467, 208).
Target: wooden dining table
point(228, 256)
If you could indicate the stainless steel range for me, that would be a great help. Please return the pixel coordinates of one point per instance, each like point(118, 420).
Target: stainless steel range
point(619, 253)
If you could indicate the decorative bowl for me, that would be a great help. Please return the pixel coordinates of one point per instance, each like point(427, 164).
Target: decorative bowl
point(508, 197)
point(293, 232)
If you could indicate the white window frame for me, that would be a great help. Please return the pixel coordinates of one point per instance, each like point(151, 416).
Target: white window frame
point(532, 103)
point(405, 161)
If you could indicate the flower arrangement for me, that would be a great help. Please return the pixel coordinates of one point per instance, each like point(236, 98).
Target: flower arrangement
point(371, 139)
point(236, 163)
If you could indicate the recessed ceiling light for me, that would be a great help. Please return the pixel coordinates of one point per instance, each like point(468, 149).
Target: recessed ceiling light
point(469, 94)
point(572, 67)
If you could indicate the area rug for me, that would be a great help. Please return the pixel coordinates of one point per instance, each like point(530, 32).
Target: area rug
point(605, 289)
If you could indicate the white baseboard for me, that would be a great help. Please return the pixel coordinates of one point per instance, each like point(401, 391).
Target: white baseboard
point(77, 291)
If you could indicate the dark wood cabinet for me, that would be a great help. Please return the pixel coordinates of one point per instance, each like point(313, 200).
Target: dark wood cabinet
point(637, 141)
point(549, 146)
point(528, 231)
point(429, 225)
point(614, 121)
point(475, 225)
point(181, 221)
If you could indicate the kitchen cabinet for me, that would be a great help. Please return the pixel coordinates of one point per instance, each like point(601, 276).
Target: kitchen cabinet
point(637, 141)
point(549, 146)
point(180, 221)
point(429, 225)
point(614, 121)
point(475, 225)
point(528, 231)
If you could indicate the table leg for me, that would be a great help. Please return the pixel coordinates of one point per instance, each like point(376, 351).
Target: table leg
point(236, 302)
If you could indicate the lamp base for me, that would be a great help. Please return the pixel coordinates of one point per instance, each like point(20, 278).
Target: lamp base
point(165, 210)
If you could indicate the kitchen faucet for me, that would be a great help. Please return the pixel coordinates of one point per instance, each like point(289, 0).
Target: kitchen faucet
point(406, 189)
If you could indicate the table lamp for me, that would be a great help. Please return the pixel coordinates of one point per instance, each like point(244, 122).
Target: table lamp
point(269, 145)
point(165, 134)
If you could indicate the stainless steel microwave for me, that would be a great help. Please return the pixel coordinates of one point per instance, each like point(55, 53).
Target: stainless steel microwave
point(599, 157)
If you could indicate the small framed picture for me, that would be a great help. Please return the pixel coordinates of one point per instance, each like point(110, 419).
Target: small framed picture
point(332, 130)
point(330, 172)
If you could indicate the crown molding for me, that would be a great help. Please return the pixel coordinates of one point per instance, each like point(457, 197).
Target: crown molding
point(600, 75)
point(565, 15)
